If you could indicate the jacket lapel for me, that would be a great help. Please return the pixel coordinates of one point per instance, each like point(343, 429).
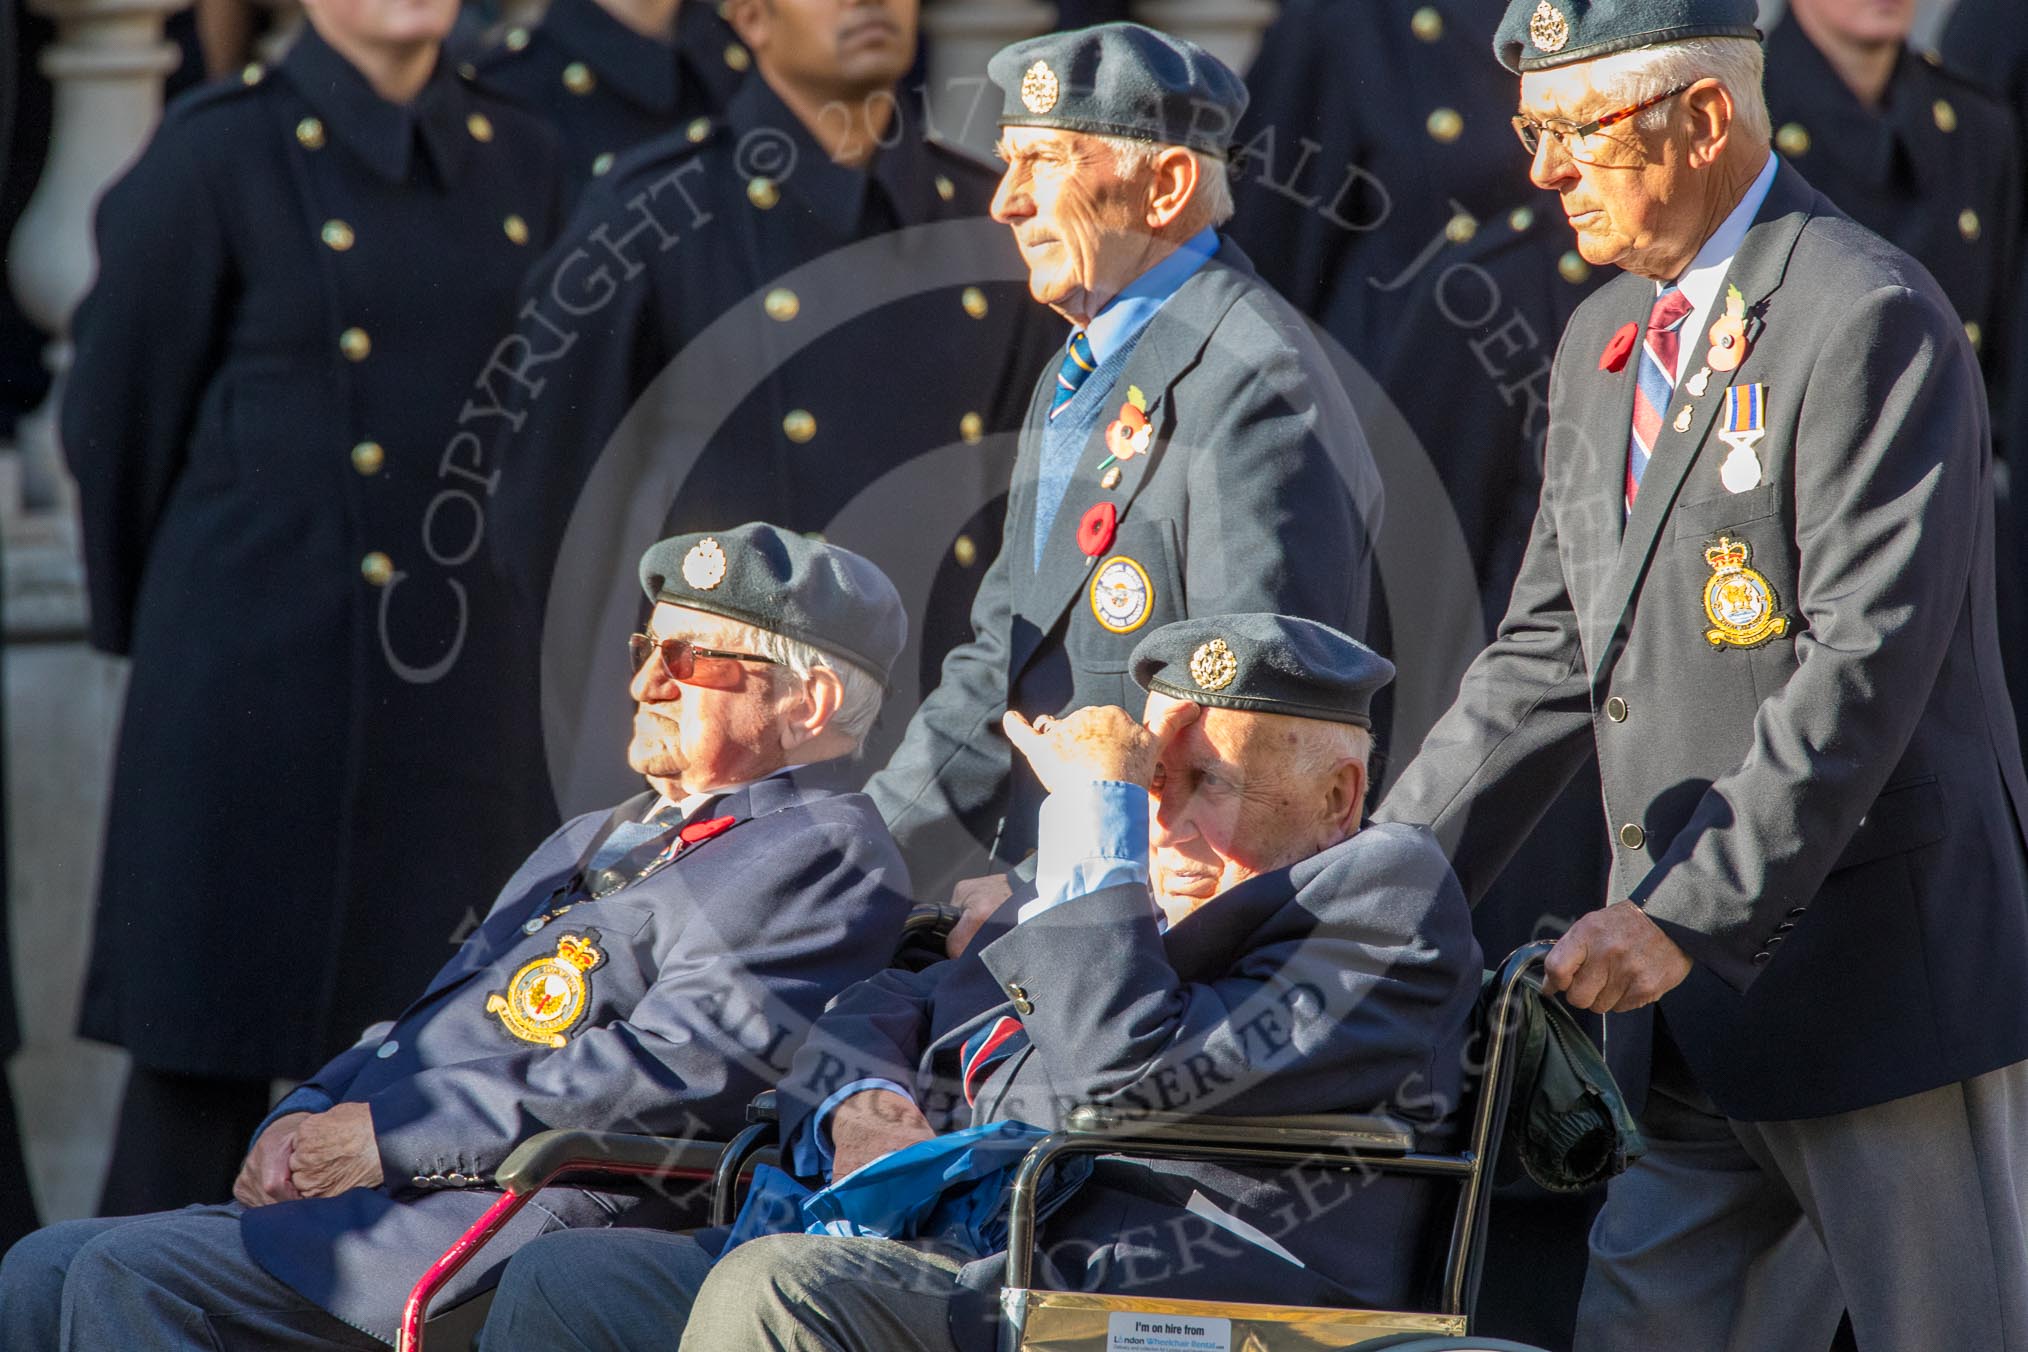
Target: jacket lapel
point(1170, 346)
point(1757, 270)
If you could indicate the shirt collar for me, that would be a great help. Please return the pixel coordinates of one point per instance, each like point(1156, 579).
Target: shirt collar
point(1706, 273)
point(836, 193)
point(1126, 314)
point(641, 69)
point(381, 133)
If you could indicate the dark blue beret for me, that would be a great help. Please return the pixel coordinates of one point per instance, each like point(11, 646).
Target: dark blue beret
point(787, 584)
point(1271, 664)
point(1538, 34)
point(1120, 79)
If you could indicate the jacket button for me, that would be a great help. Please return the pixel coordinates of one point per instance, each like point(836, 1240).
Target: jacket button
point(799, 426)
point(1427, 24)
point(1444, 125)
point(1793, 140)
point(1761, 957)
point(577, 78)
point(354, 344)
point(602, 162)
point(310, 134)
point(457, 1180)
point(1785, 927)
point(762, 192)
point(1771, 941)
point(368, 457)
point(737, 56)
point(337, 235)
point(1022, 1004)
point(1632, 836)
point(971, 427)
point(479, 127)
point(974, 301)
point(515, 228)
point(945, 188)
point(1968, 225)
point(1796, 911)
point(377, 569)
point(781, 305)
point(420, 1181)
point(1616, 709)
point(1944, 115)
point(387, 1049)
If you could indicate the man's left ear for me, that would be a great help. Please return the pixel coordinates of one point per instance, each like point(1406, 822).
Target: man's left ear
point(1711, 110)
point(1345, 796)
point(811, 712)
point(1175, 184)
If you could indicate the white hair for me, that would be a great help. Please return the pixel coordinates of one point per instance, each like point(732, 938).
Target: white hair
point(1214, 186)
point(1736, 63)
point(858, 704)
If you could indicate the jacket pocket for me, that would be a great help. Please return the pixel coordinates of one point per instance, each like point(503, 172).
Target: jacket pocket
point(1904, 817)
point(1728, 511)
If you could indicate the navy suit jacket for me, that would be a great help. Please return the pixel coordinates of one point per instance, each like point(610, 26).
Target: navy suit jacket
point(715, 967)
point(1344, 983)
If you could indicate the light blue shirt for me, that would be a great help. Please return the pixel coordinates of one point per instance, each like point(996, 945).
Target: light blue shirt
point(1092, 836)
point(1126, 314)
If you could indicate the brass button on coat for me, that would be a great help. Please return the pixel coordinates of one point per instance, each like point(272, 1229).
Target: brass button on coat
point(698, 129)
point(355, 344)
point(1973, 333)
point(737, 56)
point(1945, 115)
point(480, 126)
point(252, 73)
point(517, 38)
point(1968, 225)
point(1616, 709)
point(799, 426)
point(1460, 228)
point(1426, 24)
point(1632, 836)
point(1793, 139)
point(310, 134)
point(602, 163)
point(515, 228)
point(368, 457)
point(965, 551)
point(1572, 267)
point(945, 188)
point(377, 569)
point(971, 427)
point(578, 79)
point(1445, 125)
point(974, 301)
point(337, 235)
point(1520, 218)
point(762, 192)
point(782, 304)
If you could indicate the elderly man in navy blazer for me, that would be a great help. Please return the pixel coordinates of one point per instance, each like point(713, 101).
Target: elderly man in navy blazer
point(1212, 932)
point(648, 969)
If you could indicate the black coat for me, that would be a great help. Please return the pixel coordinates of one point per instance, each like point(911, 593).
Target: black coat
point(735, 328)
point(605, 87)
point(1935, 170)
point(298, 282)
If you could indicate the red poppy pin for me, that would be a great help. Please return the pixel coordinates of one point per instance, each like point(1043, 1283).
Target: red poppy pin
point(1129, 434)
point(1614, 358)
point(1095, 531)
point(1728, 334)
point(701, 831)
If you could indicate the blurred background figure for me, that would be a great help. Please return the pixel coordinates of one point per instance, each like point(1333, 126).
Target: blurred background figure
point(297, 281)
point(609, 74)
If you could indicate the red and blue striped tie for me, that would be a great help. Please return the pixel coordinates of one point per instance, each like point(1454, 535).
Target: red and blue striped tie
point(1656, 384)
point(987, 1048)
point(1077, 364)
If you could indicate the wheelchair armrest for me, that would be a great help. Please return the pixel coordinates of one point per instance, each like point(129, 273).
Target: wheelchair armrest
point(545, 1155)
point(1324, 1131)
point(763, 1109)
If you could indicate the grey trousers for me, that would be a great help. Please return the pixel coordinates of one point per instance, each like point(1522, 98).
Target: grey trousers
point(608, 1290)
point(174, 1279)
point(1749, 1236)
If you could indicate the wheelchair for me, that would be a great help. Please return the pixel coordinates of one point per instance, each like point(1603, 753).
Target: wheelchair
point(1035, 1319)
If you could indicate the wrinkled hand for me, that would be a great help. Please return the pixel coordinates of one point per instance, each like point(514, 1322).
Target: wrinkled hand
point(1615, 960)
point(264, 1177)
point(976, 899)
point(336, 1152)
point(1100, 742)
point(870, 1124)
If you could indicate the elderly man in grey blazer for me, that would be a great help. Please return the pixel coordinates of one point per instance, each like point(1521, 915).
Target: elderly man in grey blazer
point(1190, 452)
point(1760, 583)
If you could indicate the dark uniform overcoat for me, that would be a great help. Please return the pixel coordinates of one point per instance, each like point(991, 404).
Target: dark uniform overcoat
point(605, 87)
point(299, 282)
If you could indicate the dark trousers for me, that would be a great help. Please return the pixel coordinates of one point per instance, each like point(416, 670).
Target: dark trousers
point(181, 1140)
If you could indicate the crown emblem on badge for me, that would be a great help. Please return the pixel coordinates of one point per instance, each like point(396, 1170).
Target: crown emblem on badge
point(1213, 666)
point(579, 952)
point(704, 565)
point(1039, 88)
point(1547, 28)
point(1726, 554)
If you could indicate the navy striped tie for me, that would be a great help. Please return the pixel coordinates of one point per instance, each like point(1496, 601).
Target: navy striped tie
point(1077, 366)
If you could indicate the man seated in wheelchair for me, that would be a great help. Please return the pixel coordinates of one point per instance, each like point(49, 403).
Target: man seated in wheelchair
point(1210, 932)
point(648, 969)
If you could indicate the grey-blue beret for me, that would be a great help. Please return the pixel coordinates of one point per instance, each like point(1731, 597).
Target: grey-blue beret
point(1538, 34)
point(1271, 664)
point(1120, 79)
point(787, 584)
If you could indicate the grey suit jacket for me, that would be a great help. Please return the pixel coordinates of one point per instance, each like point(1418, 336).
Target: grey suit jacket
point(1344, 983)
point(1258, 492)
point(1829, 821)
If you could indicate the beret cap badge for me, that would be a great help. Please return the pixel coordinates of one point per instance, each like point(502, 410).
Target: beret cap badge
point(704, 565)
point(1039, 88)
point(1213, 666)
point(1547, 28)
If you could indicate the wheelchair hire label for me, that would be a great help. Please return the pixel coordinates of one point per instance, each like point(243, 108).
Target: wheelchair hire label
point(1131, 1331)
